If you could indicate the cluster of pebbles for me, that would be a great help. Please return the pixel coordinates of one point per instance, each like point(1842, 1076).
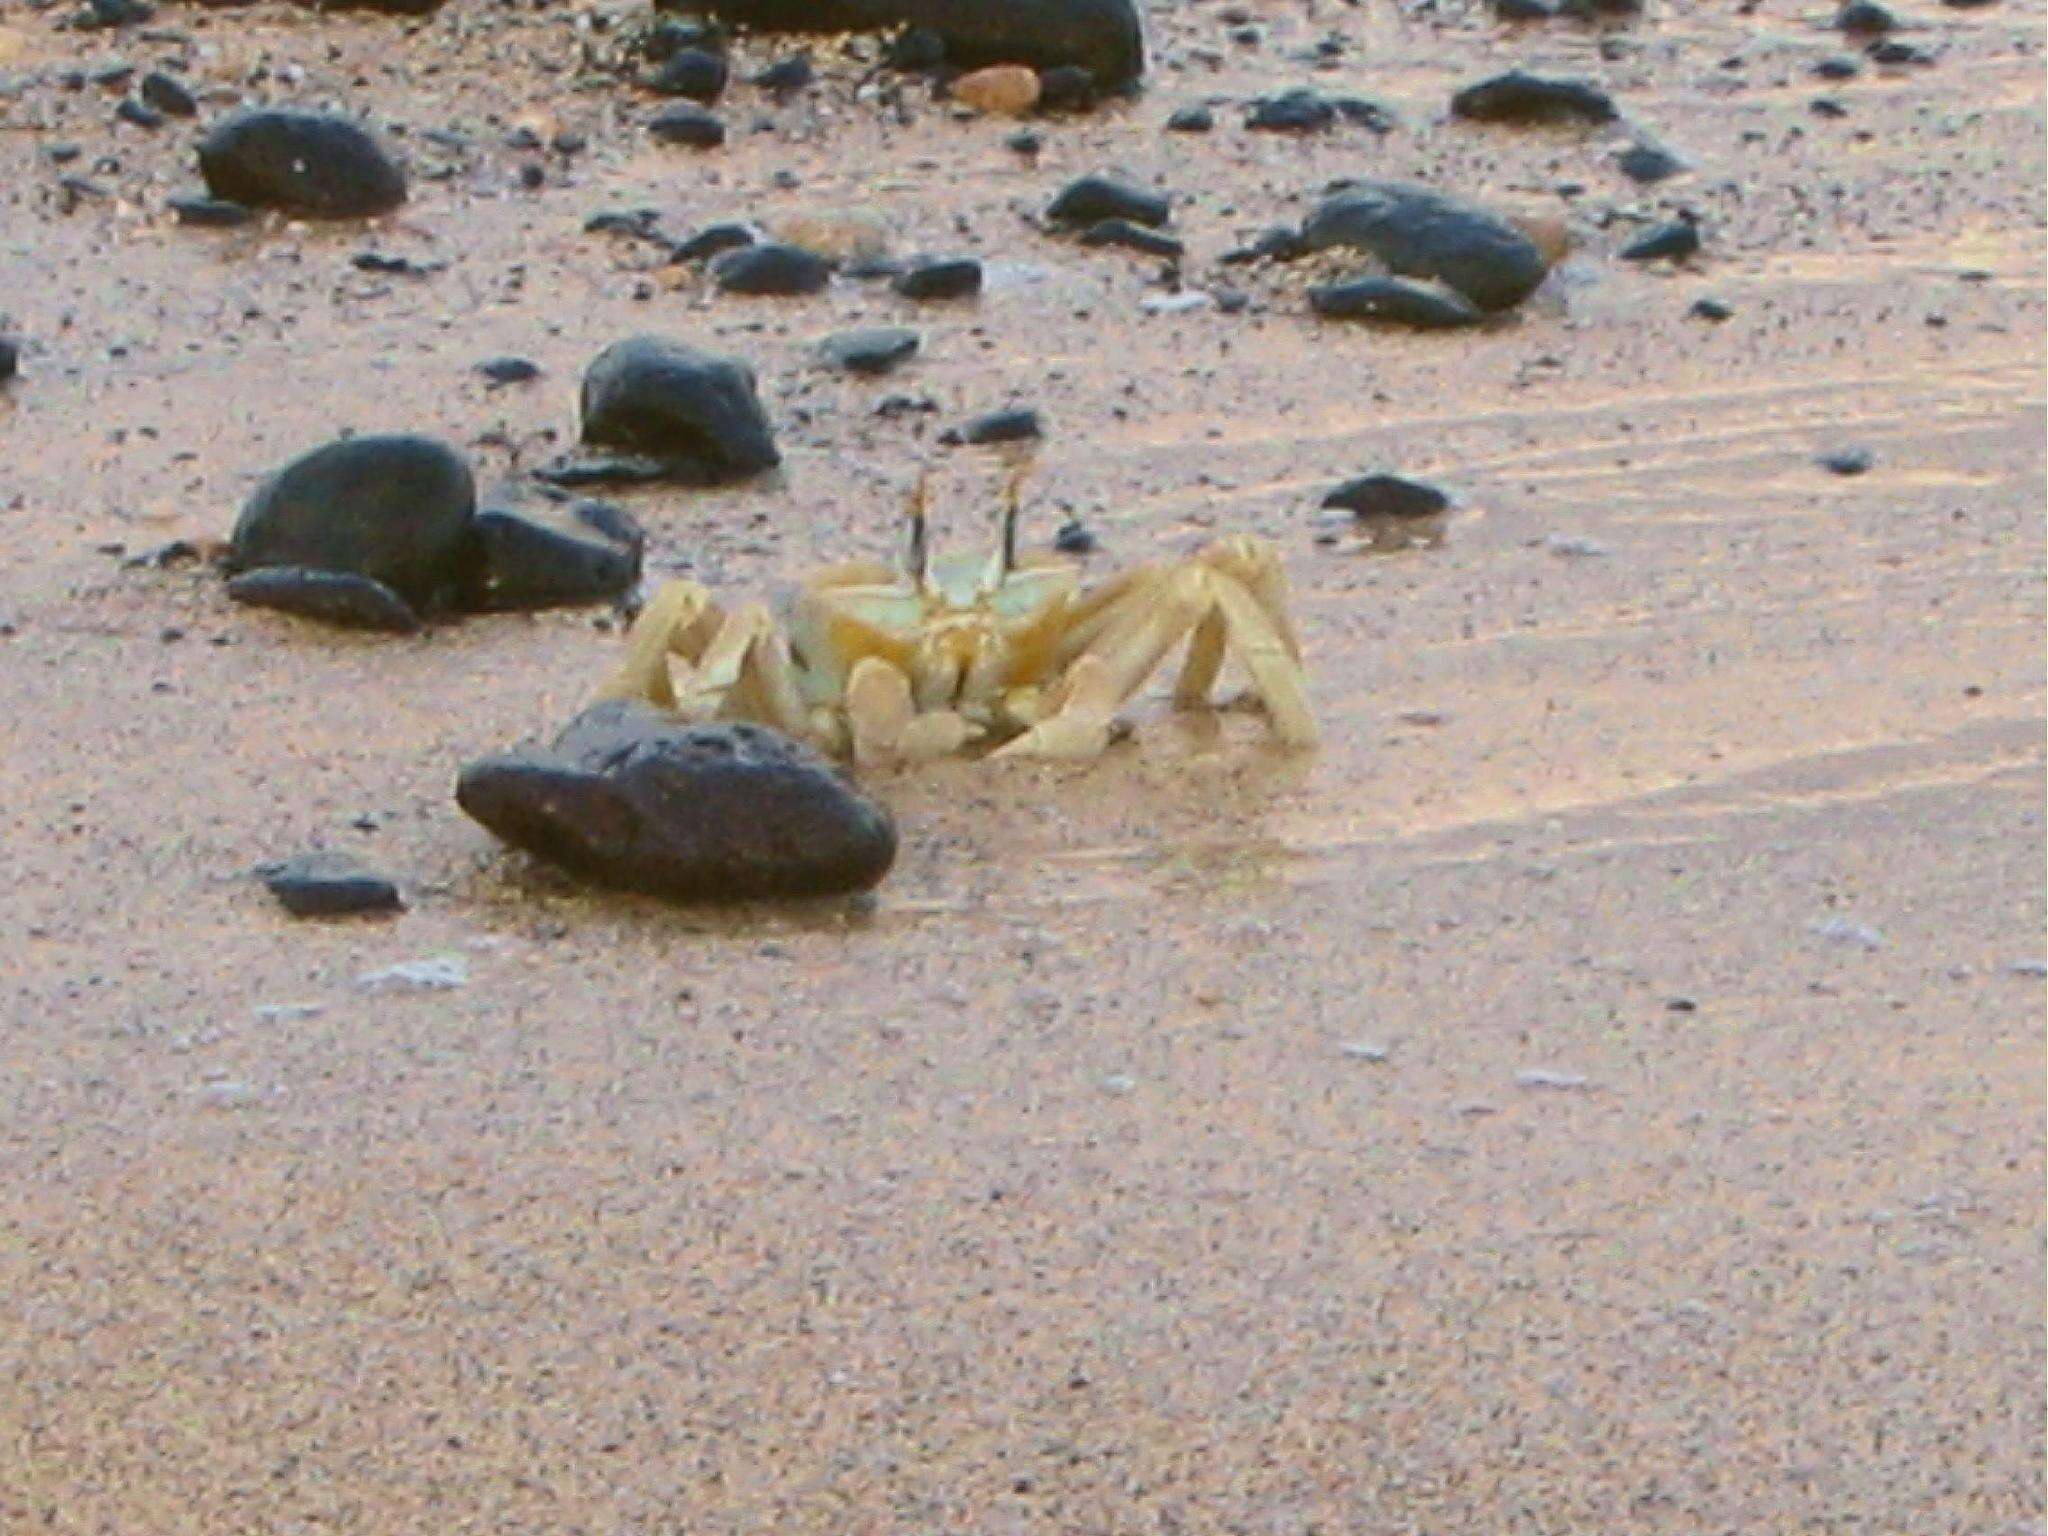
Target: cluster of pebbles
point(387, 532)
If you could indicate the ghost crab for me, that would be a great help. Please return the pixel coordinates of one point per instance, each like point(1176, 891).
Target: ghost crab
point(888, 666)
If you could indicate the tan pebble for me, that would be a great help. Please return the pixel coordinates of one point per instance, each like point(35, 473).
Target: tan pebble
point(1550, 234)
point(1009, 89)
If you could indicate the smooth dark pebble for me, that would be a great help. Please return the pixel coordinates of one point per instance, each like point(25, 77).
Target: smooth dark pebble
point(209, 212)
point(944, 278)
point(329, 885)
point(1134, 237)
point(508, 370)
point(771, 269)
point(1016, 425)
point(1091, 199)
point(1848, 461)
point(168, 95)
point(1675, 241)
point(1191, 120)
point(687, 126)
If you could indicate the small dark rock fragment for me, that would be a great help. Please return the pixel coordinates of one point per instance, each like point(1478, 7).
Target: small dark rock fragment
point(1075, 538)
point(1400, 300)
point(1520, 97)
point(1016, 425)
point(541, 549)
point(1826, 106)
point(691, 73)
point(941, 278)
point(1710, 309)
point(1848, 461)
point(915, 49)
point(1523, 10)
point(871, 351)
point(1296, 111)
point(630, 797)
point(509, 370)
point(1840, 67)
point(773, 268)
point(1418, 232)
point(1649, 164)
point(1385, 495)
point(1894, 50)
point(711, 241)
point(311, 163)
point(686, 126)
point(168, 95)
point(1675, 241)
point(1196, 119)
point(333, 597)
point(634, 223)
point(209, 212)
point(1066, 88)
point(10, 358)
point(1133, 237)
point(790, 73)
point(329, 885)
point(1091, 199)
point(132, 111)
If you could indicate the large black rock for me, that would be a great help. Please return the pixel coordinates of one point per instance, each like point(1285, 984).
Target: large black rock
point(393, 509)
point(539, 548)
point(630, 797)
point(1416, 232)
point(674, 413)
point(317, 164)
point(1103, 37)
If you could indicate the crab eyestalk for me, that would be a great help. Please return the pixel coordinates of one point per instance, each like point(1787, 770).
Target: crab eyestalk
point(1004, 560)
point(917, 559)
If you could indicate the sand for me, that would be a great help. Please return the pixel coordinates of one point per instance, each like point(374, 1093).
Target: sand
point(1155, 1151)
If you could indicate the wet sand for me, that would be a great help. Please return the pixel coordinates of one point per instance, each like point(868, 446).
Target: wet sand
point(1041, 1192)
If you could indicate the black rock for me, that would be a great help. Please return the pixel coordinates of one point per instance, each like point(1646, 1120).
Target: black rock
point(1848, 461)
point(1649, 164)
point(1599, 10)
point(1092, 199)
point(1025, 142)
point(1520, 97)
point(630, 797)
point(790, 73)
point(1104, 37)
point(875, 350)
point(1191, 120)
point(711, 240)
point(671, 412)
point(1398, 300)
point(333, 597)
point(1840, 67)
point(541, 549)
point(1826, 106)
point(691, 72)
point(393, 266)
point(132, 111)
point(1523, 10)
point(329, 885)
point(941, 278)
point(168, 95)
point(508, 370)
point(1893, 50)
point(915, 49)
point(1675, 240)
point(310, 163)
point(395, 509)
point(1384, 495)
point(1275, 243)
point(114, 13)
point(1296, 111)
point(634, 223)
point(1066, 88)
point(209, 212)
point(1866, 17)
point(690, 127)
point(10, 358)
point(1016, 425)
point(773, 268)
point(1710, 309)
point(1133, 237)
point(1416, 232)
point(669, 37)
point(1074, 538)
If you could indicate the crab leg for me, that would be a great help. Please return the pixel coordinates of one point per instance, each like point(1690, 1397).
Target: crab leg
point(1263, 649)
point(681, 617)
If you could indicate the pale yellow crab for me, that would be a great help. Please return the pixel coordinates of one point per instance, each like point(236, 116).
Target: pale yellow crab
point(891, 666)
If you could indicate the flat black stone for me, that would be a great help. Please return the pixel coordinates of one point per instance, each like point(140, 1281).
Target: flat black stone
point(1848, 461)
point(10, 358)
point(1016, 425)
point(1397, 300)
point(1673, 241)
point(787, 74)
point(771, 269)
point(1710, 309)
point(945, 278)
point(1296, 111)
point(686, 127)
point(1649, 164)
point(1191, 120)
point(1866, 17)
point(1091, 199)
point(209, 212)
point(694, 416)
point(628, 796)
point(711, 241)
point(333, 597)
point(1520, 97)
point(1385, 495)
point(870, 351)
point(167, 94)
point(329, 885)
point(142, 116)
point(1133, 237)
point(1839, 67)
point(1418, 232)
point(692, 73)
point(508, 370)
point(1066, 88)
